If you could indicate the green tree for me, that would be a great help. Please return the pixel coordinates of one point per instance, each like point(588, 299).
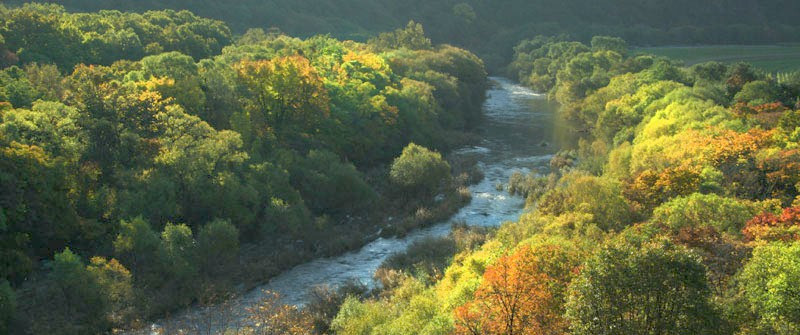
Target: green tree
point(116, 285)
point(46, 79)
point(758, 92)
point(420, 170)
point(217, 248)
point(185, 83)
point(412, 37)
point(653, 288)
point(286, 94)
point(76, 298)
point(739, 75)
point(16, 88)
point(38, 33)
point(599, 196)
point(51, 125)
point(330, 186)
point(37, 212)
point(607, 43)
point(727, 215)
point(139, 248)
point(771, 285)
point(203, 166)
point(465, 11)
point(179, 254)
point(417, 112)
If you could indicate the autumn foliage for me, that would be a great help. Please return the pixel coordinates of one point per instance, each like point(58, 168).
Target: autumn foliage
point(771, 227)
point(744, 109)
point(270, 316)
point(514, 298)
point(651, 187)
point(727, 146)
point(736, 155)
point(285, 92)
point(782, 170)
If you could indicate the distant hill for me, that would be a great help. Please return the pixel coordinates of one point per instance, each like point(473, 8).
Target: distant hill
point(491, 28)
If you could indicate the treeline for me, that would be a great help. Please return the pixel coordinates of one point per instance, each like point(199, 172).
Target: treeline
point(45, 33)
point(675, 214)
point(132, 187)
point(492, 28)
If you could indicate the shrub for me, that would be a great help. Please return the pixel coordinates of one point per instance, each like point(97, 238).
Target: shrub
point(424, 258)
point(420, 170)
point(529, 186)
point(217, 248)
point(74, 298)
point(331, 186)
point(325, 303)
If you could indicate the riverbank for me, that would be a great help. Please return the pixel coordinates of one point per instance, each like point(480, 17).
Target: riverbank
point(354, 231)
point(517, 123)
point(393, 216)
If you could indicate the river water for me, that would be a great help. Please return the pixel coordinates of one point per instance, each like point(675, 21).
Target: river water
point(520, 132)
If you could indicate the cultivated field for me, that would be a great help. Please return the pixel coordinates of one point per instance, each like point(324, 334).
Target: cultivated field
point(772, 58)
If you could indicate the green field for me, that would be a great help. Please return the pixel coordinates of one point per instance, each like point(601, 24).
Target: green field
point(772, 58)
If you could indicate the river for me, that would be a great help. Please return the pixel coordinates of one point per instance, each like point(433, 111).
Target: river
point(520, 132)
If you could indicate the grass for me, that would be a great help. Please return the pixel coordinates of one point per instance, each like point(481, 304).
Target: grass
point(771, 58)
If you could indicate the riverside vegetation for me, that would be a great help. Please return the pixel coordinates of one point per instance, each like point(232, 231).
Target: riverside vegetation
point(676, 213)
point(153, 161)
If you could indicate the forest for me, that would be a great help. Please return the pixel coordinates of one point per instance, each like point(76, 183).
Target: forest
point(676, 213)
point(490, 28)
point(153, 159)
point(148, 160)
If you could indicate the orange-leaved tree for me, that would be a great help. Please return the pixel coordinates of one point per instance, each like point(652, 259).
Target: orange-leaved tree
point(771, 227)
point(515, 297)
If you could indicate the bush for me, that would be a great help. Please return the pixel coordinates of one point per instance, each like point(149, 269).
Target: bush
point(420, 170)
point(330, 186)
point(529, 186)
point(179, 266)
point(758, 92)
point(426, 258)
point(325, 303)
point(217, 248)
point(71, 301)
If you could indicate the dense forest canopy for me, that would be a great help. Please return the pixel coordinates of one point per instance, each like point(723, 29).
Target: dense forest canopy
point(153, 159)
point(492, 28)
point(142, 155)
point(676, 213)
